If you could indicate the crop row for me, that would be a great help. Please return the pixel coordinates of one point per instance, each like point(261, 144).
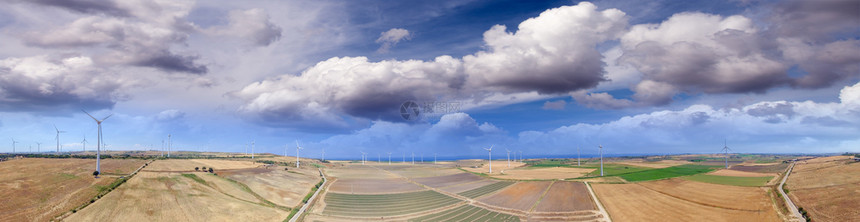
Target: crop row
point(360, 205)
point(480, 191)
point(467, 213)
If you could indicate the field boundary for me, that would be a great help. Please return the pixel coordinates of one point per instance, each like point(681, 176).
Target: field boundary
point(597, 202)
point(542, 195)
point(790, 205)
point(311, 200)
point(99, 195)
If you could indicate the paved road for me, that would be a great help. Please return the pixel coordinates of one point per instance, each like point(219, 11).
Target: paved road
point(796, 216)
point(311, 200)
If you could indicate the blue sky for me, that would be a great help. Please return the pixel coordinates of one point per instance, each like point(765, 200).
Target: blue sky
point(543, 77)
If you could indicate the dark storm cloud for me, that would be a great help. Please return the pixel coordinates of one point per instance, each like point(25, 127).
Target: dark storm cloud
point(772, 109)
point(169, 62)
point(816, 20)
point(84, 6)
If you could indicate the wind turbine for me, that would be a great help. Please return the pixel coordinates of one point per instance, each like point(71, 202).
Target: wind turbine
point(58, 136)
point(169, 144)
point(434, 158)
point(509, 157)
point(297, 153)
point(726, 149)
point(38, 147)
point(521, 156)
point(578, 156)
point(323, 154)
point(84, 143)
point(99, 142)
point(413, 157)
point(601, 159)
point(252, 149)
point(162, 148)
point(389, 158)
point(13, 145)
point(490, 159)
point(378, 157)
point(363, 155)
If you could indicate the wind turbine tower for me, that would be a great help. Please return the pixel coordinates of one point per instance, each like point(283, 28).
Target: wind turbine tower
point(389, 158)
point(578, 156)
point(434, 158)
point(39, 146)
point(726, 149)
point(99, 142)
point(58, 137)
point(297, 153)
point(601, 159)
point(252, 148)
point(169, 144)
point(413, 157)
point(490, 159)
point(13, 145)
point(84, 144)
point(509, 157)
point(363, 156)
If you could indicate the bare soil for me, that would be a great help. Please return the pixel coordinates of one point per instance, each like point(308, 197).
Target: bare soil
point(566, 196)
point(38, 189)
point(828, 188)
point(520, 196)
point(444, 181)
point(373, 186)
point(543, 173)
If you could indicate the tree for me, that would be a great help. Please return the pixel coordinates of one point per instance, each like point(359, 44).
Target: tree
point(204, 168)
point(210, 170)
point(196, 168)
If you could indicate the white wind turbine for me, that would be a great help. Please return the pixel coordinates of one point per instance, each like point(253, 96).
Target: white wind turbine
point(84, 144)
point(509, 157)
point(601, 159)
point(413, 157)
point(13, 145)
point(389, 158)
point(100, 140)
point(490, 159)
point(434, 158)
point(252, 148)
point(38, 147)
point(169, 144)
point(363, 156)
point(58, 137)
point(297, 153)
point(578, 156)
point(726, 149)
point(162, 148)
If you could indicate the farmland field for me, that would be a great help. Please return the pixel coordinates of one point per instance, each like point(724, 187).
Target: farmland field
point(761, 168)
point(373, 186)
point(613, 169)
point(448, 180)
point(362, 205)
point(827, 188)
point(566, 197)
point(468, 186)
point(285, 188)
point(157, 196)
point(678, 200)
point(543, 173)
point(477, 192)
point(520, 196)
point(467, 213)
point(655, 164)
point(38, 189)
point(730, 180)
point(176, 165)
point(498, 166)
point(669, 172)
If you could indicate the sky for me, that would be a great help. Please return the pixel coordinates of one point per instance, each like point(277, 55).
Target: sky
point(432, 77)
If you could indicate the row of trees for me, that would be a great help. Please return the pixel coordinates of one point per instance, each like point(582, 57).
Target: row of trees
point(211, 170)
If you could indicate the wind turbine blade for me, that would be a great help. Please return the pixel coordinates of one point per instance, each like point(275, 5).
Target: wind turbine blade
point(106, 117)
point(55, 128)
point(91, 116)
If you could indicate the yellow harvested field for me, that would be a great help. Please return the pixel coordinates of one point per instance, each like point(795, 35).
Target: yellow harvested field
point(723, 196)
point(285, 188)
point(635, 202)
point(498, 166)
point(187, 165)
point(359, 172)
point(373, 186)
point(419, 172)
point(737, 173)
point(38, 189)
point(543, 173)
point(828, 188)
point(468, 186)
point(655, 164)
point(158, 196)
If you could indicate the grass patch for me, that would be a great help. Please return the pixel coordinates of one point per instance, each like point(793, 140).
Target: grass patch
point(669, 172)
point(317, 165)
point(66, 176)
point(194, 177)
point(728, 180)
point(612, 169)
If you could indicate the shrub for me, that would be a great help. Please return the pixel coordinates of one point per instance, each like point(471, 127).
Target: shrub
point(211, 171)
point(287, 169)
point(196, 168)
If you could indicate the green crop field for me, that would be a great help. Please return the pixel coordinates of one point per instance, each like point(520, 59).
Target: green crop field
point(669, 172)
point(727, 180)
point(481, 191)
point(612, 169)
point(379, 205)
point(467, 213)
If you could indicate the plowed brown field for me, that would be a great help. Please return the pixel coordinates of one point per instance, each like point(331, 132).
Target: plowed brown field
point(566, 196)
point(37, 189)
point(828, 188)
point(444, 181)
point(520, 196)
point(373, 186)
point(635, 202)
